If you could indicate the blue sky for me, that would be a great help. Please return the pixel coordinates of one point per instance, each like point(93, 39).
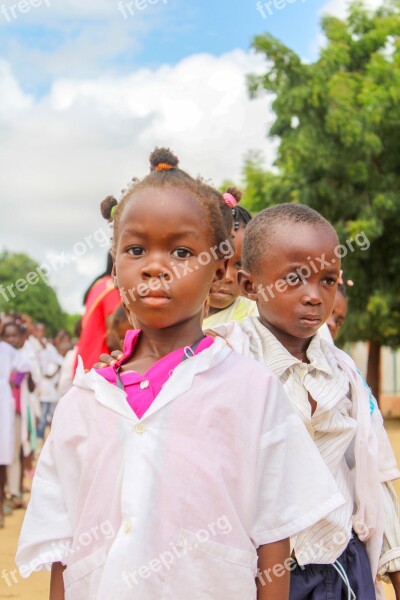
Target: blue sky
point(163, 33)
point(86, 94)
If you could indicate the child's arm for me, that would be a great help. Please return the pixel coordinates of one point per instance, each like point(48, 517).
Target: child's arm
point(395, 579)
point(273, 571)
point(57, 582)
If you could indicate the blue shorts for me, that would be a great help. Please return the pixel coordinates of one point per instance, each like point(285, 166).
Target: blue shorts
point(323, 582)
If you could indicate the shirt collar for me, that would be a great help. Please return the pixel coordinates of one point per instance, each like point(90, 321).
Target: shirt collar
point(279, 360)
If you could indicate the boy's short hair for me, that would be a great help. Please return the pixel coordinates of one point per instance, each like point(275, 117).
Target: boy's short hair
point(260, 230)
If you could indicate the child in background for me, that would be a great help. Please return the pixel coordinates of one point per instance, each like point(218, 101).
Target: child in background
point(117, 330)
point(193, 481)
point(14, 333)
point(291, 270)
point(340, 308)
point(225, 302)
point(10, 360)
point(50, 361)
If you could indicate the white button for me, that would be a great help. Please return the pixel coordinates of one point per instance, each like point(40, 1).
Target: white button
point(127, 526)
point(139, 428)
point(144, 384)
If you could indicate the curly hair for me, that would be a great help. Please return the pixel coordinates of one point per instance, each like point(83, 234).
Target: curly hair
point(164, 171)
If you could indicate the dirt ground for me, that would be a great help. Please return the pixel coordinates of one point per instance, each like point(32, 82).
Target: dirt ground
point(36, 587)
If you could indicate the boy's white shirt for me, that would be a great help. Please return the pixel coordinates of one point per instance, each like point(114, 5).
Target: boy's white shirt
point(376, 510)
point(203, 455)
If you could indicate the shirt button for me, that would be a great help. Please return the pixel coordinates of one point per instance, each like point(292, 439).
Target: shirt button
point(144, 384)
point(127, 526)
point(139, 428)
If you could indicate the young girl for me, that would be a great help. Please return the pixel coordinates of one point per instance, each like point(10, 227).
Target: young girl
point(293, 278)
point(10, 360)
point(164, 477)
point(340, 308)
point(225, 302)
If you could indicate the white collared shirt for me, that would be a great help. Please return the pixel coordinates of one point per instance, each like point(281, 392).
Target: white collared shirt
point(332, 428)
point(218, 465)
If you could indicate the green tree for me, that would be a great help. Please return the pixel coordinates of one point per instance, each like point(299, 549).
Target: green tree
point(338, 122)
point(24, 289)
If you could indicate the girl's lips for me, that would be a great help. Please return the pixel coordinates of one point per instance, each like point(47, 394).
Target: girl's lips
point(155, 301)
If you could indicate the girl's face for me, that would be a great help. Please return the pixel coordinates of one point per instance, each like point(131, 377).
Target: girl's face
point(339, 314)
point(295, 284)
point(13, 336)
point(164, 267)
point(224, 293)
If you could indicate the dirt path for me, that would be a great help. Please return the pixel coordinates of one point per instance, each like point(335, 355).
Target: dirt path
point(36, 587)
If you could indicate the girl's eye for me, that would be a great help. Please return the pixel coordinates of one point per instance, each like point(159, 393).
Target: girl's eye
point(238, 265)
point(181, 253)
point(292, 278)
point(136, 250)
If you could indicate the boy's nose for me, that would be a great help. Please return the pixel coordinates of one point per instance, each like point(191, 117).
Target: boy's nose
point(312, 295)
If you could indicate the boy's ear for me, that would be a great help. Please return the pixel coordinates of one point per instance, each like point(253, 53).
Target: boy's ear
point(247, 286)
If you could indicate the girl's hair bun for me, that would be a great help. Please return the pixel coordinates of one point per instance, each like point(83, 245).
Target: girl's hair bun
point(107, 206)
point(237, 194)
point(163, 159)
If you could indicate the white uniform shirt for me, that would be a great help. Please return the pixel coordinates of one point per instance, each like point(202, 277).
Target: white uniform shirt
point(333, 427)
point(173, 506)
point(10, 360)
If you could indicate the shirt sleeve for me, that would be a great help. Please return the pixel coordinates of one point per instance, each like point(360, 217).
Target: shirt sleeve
point(295, 489)
point(389, 561)
point(46, 534)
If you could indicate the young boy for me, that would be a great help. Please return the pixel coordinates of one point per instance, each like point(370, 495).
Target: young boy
point(291, 269)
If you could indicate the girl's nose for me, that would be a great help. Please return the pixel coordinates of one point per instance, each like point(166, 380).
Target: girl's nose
point(154, 267)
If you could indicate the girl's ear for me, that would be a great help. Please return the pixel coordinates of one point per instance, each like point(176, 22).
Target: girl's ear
point(247, 286)
point(114, 275)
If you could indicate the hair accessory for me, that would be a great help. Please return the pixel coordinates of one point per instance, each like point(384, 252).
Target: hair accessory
point(112, 211)
point(164, 167)
point(230, 200)
point(349, 282)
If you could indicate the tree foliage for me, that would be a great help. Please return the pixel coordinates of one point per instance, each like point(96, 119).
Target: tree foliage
point(338, 122)
point(38, 300)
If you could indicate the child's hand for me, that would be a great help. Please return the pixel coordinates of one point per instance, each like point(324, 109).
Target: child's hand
point(106, 360)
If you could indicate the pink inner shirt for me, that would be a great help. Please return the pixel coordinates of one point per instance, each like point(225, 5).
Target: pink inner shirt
point(141, 389)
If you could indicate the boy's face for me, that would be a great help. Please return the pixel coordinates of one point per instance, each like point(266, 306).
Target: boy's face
point(296, 280)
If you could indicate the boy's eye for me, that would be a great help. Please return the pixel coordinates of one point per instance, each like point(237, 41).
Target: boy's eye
point(181, 253)
point(238, 264)
point(136, 250)
point(329, 281)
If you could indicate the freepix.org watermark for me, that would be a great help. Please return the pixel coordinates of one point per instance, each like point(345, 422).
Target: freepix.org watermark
point(267, 9)
point(60, 551)
point(179, 270)
point(133, 7)
point(175, 552)
point(315, 265)
point(55, 262)
point(11, 12)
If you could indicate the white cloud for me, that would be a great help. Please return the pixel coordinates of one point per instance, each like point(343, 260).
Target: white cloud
point(339, 8)
point(62, 154)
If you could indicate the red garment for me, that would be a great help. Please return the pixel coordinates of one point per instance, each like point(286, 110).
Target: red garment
point(102, 301)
